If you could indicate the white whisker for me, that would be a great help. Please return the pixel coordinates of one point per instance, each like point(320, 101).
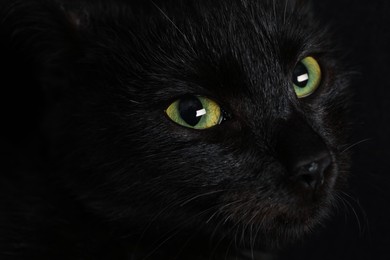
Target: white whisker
point(198, 196)
point(170, 20)
point(355, 144)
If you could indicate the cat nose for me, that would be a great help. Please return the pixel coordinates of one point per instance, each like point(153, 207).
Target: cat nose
point(309, 173)
point(303, 153)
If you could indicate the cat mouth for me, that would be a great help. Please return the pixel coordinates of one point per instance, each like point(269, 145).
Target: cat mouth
point(275, 222)
point(288, 212)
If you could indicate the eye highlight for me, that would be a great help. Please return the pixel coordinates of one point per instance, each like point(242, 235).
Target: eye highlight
point(306, 77)
point(195, 112)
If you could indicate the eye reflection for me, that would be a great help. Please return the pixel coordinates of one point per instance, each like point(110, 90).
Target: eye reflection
point(306, 77)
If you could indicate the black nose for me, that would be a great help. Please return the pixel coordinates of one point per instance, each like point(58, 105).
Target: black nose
point(310, 172)
point(303, 152)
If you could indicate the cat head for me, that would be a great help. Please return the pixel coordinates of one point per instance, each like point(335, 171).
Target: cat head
point(222, 119)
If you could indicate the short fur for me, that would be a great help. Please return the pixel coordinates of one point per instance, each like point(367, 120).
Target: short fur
point(118, 179)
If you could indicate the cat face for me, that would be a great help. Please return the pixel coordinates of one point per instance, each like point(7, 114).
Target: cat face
point(220, 119)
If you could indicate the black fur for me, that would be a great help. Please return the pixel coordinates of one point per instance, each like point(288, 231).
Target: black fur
point(118, 179)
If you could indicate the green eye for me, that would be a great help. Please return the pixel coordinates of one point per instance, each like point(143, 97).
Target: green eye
point(195, 112)
point(306, 77)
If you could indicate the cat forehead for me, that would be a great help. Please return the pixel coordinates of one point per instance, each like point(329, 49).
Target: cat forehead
point(245, 30)
point(232, 36)
point(216, 45)
point(227, 20)
point(201, 20)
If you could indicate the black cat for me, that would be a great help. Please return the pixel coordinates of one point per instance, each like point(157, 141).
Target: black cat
point(173, 129)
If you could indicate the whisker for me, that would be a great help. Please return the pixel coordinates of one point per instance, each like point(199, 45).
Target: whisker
point(171, 206)
point(344, 209)
point(198, 196)
point(228, 249)
point(214, 251)
point(355, 144)
point(361, 210)
point(221, 208)
point(170, 20)
point(160, 245)
point(186, 243)
point(174, 231)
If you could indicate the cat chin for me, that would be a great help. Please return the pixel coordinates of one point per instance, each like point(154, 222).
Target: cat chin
point(279, 228)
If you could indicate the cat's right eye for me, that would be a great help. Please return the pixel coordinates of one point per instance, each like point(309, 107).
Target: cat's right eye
point(306, 77)
point(195, 112)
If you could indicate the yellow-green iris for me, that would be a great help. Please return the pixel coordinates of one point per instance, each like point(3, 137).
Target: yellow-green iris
point(195, 112)
point(306, 77)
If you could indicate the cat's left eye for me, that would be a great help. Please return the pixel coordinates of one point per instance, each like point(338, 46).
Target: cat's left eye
point(306, 77)
point(195, 112)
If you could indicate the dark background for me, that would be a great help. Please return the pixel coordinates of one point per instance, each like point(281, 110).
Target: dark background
point(363, 30)
point(360, 230)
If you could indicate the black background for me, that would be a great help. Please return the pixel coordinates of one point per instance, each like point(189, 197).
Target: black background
point(363, 30)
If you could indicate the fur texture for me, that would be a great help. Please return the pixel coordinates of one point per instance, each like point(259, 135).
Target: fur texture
point(119, 180)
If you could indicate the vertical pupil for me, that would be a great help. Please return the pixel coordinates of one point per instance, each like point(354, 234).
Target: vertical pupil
point(300, 75)
point(190, 109)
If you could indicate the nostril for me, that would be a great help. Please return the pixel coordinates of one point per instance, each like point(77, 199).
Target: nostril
point(309, 179)
point(311, 174)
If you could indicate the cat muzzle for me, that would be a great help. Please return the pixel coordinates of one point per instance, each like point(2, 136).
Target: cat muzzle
point(303, 153)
